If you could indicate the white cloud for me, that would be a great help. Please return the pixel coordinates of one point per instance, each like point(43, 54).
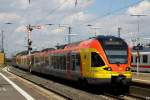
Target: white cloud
point(68, 4)
point(9, 16)
point(140, 8)
point(21, 29)
point(76, 18)
point(58, 30)
point(23, 4)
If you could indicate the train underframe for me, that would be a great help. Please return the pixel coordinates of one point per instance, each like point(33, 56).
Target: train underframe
point(116, 84)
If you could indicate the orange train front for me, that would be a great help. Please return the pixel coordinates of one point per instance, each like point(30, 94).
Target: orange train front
point(100, 60)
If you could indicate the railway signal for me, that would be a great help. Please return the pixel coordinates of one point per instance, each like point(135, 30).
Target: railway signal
point(29, 30)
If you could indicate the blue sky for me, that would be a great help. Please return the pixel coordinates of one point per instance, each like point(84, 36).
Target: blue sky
point(101, 7)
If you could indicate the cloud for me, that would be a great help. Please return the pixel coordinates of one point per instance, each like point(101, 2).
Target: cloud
point(70, 4)
point(140, 8)
point(77, 18)
point(21, 29)
point(23, 4)
point(58, 30)
point(9, 16)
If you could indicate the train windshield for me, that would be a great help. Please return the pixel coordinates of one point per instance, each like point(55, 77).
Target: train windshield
point(116, 50)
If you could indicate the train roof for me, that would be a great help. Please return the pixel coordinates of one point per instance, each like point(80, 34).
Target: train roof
point(99, 37)
point(75, 45)
point(102, 37)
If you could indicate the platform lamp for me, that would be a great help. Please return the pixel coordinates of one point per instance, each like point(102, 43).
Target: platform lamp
point(69, 31)
point(138, 31)
point(95, 28)
point(2, 38)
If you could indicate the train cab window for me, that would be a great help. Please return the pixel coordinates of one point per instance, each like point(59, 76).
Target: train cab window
point(96, 60)
point(145, 58)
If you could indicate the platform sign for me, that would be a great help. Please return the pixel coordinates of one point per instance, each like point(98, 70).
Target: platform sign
point(1, 58)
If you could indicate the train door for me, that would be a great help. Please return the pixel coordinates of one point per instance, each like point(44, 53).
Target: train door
point(75, 65)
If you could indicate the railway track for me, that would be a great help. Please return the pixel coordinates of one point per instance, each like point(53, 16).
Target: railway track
point(74, 92)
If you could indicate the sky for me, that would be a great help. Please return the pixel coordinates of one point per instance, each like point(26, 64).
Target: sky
point(103, 16)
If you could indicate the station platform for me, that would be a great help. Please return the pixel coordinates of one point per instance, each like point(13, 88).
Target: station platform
point(141, 78)
point(13, 87)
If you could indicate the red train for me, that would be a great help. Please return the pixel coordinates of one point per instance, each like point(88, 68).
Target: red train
point(96, 61)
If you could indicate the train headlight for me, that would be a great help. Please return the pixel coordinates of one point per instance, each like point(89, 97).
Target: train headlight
point(108, 69)
point(128, 69)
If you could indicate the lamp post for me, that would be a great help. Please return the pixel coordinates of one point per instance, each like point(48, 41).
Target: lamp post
point(119, 31)
point(137, 40)
point(138, 23)
point(2, 38)
point(69, 32)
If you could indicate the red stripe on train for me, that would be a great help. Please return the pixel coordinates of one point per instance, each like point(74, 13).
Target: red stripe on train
point(144, 66)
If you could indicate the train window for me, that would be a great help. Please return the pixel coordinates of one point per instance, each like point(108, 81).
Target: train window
point(50, 61)
point(54, 62)
point(61, 62)
point(131, 59)
point(96, 60)
point(64, 62)
point(78, 62)
point(73, 61)
point(145, 58)
point(58, 62)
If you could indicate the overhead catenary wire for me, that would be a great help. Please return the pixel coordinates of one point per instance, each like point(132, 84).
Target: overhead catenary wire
point(54, 10)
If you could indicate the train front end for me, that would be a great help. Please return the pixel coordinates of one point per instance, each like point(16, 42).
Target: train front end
point(110, 62)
